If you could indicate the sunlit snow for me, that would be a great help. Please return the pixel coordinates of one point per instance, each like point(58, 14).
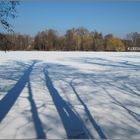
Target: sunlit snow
point(58, 95)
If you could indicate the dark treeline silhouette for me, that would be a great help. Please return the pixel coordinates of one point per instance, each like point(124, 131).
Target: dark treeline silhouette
point(15, 41)
point(75, 39)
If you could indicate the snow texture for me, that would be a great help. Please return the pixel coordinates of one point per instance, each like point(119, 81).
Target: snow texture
point(74, 95)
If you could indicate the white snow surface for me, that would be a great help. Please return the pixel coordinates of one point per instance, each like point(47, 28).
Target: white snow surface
point(62, 95)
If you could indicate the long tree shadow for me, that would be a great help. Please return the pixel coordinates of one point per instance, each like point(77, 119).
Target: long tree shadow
point(135, 115)
point(106, 63)
point(73, 125)
point(10, 98)
point(94, 123)
point(37, 122)
point(102, 80)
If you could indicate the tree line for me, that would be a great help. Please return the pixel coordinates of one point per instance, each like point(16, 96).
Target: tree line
point(75, 39)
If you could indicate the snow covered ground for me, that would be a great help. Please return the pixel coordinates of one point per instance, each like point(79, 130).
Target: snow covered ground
point(57, 95)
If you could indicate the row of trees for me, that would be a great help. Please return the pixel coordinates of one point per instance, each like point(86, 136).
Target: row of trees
point(75, 39)
point(79, 39)
point(15, 42)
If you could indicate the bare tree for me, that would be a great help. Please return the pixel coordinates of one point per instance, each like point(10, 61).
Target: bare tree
point(7, 10)
point(134, 36)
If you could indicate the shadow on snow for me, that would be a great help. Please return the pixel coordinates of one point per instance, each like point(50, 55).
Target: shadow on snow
point(11, 97)
point(73, 125)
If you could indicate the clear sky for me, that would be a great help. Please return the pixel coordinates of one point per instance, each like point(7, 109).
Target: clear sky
point(118, 18)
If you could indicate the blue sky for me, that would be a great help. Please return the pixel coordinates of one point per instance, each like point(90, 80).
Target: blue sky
point(118, 18)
